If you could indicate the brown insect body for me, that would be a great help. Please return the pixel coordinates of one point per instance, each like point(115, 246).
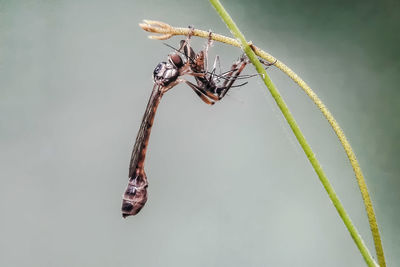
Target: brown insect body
point(166, 75)
point(135, 195)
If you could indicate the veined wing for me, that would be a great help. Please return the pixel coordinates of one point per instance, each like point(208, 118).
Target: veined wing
point(142, 139)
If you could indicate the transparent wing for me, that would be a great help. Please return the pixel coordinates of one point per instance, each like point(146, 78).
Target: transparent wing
point(139, 149)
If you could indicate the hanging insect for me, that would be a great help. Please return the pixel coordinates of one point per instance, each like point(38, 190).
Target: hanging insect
point(209, 86)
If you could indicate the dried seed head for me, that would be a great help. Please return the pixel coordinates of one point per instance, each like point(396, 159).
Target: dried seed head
point(157, 27)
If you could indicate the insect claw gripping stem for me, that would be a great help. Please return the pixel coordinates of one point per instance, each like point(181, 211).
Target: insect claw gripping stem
point(191, 31)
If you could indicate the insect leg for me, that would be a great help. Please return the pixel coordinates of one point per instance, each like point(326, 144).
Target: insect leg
point(232, 75)
point(266, 63)
point(208, 45)
point(185, 46)
point(201, 93)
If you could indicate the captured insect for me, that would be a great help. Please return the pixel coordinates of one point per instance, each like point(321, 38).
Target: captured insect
point(209, 86)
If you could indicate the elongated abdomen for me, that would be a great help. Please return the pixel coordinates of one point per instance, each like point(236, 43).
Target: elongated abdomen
point(135, 195)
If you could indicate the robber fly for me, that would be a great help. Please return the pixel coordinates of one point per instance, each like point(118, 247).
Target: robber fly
point(209, 86)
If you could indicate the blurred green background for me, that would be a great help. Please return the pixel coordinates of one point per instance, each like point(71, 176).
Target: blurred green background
point(229, 185)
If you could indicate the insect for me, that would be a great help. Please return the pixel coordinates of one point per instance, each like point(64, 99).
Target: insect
point(209, 86)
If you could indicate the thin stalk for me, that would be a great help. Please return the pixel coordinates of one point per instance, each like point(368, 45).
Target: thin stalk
point(296, 130)
point(168, 31)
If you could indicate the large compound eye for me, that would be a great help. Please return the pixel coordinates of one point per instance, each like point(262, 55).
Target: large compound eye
point(176, 60)
point(158, 71)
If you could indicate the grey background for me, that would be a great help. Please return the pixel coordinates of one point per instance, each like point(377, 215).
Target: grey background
point(229, 185)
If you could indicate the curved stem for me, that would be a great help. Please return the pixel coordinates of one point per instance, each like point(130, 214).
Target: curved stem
point(168, 31)
point(349, 152)
point(296, 130)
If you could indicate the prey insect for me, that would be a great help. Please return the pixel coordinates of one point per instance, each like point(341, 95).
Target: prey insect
point(209, 86)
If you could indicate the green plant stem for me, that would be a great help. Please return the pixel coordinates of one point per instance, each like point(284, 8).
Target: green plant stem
point(349, 152)
point(168, 31)
point(296, 130)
